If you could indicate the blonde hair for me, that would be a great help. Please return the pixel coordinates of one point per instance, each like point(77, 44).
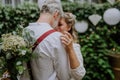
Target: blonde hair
point(50, 6)
point(70, 19)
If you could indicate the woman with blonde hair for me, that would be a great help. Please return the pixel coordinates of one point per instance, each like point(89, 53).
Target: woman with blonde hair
point(69, 40)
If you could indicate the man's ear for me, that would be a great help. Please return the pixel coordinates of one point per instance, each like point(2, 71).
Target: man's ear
point(56, 14)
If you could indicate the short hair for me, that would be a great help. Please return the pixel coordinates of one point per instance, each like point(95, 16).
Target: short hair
point(50, 6)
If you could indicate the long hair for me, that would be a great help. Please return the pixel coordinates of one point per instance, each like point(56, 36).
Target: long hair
point(70, 19)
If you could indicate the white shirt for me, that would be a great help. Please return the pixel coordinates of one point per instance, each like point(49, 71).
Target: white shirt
point(52, 62)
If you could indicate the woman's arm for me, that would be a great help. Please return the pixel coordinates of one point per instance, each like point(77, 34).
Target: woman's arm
point(67, 40)
point(75, 56)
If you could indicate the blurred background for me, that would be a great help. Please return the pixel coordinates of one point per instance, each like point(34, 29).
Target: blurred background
point(98, 27)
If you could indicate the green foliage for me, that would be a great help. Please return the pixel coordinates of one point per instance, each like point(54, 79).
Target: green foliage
point(14, 53)
point(94, 43)
point(12, 18)
point(94, 53)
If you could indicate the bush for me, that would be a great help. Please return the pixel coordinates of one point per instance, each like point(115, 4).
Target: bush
point(12, 18)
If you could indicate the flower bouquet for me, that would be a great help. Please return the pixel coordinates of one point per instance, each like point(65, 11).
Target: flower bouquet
point(13, 54)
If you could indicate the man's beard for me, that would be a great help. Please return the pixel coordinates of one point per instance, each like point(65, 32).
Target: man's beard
point(55, 24)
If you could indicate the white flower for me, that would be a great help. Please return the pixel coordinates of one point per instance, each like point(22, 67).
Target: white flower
point(14, 47)
point(20, 69)
point(23, 52)
point(12, 42)
point(19, 63)
point(8, 56)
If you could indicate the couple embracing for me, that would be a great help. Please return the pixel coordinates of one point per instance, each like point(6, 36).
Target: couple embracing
point(58, 55)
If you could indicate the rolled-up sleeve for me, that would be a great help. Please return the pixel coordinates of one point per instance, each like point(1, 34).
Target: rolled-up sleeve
point(79, 72)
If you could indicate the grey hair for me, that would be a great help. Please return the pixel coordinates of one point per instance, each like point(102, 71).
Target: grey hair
point(51, 6)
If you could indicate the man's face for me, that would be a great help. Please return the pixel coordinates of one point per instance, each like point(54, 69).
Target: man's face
point(56, 19)
point(56, 23)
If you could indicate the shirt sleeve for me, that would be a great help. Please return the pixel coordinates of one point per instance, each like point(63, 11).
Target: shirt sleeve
point(80, 71)
point(61, 60)
point(28, 39)
point(53, 48)
point(28, 36)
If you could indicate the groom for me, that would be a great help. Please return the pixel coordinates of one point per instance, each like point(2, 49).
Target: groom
point(51, 62)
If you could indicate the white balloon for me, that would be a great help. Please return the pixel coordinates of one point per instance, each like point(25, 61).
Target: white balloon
point(95, 18)
point(112, 16)
point(81, 26)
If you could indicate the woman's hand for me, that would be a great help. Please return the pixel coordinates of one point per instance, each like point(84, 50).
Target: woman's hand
point(67, 40)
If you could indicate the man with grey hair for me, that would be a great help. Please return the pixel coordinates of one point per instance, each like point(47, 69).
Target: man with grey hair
point(48, 65)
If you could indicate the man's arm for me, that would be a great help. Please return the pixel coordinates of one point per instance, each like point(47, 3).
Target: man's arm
point(61, 59)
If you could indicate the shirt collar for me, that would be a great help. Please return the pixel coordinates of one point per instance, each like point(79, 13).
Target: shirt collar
point(36, 23)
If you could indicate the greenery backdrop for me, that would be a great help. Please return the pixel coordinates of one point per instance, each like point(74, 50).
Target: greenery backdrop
point(95, 42)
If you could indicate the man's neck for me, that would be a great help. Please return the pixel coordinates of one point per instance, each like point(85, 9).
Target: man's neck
point(45, 18)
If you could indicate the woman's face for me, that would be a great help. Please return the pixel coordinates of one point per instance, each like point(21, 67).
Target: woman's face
point(62, 26)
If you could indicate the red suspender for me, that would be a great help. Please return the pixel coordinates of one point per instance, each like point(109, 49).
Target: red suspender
point(41, 38)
